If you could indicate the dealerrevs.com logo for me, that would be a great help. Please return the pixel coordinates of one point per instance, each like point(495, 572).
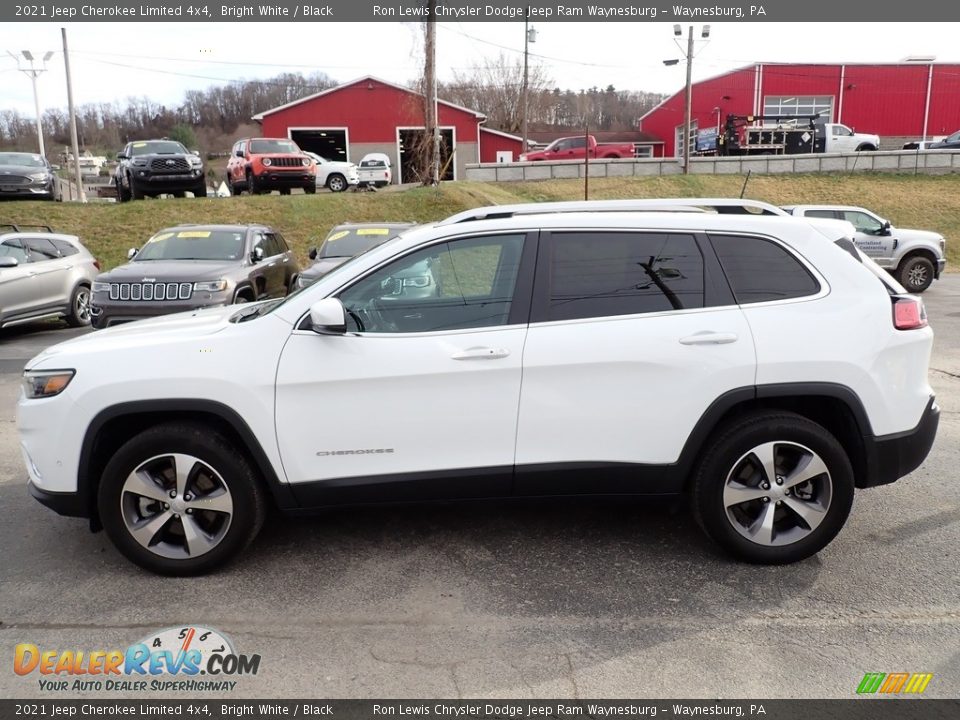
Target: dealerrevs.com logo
point(173, 659)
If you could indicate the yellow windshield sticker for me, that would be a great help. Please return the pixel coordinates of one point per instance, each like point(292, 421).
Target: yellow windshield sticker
point(139, 144)
point(194, 234)
point(373, 231)
point(337, 236)
point(161, 236)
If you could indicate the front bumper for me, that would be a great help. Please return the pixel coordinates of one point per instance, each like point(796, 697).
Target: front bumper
point(280, 179)
point(890, 457)
point(35, 192)
point(941, 266)
point(168, 183)
point(105, 314)
point(68, 504)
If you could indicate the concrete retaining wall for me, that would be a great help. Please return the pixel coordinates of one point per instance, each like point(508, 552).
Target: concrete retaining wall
point(929, 162)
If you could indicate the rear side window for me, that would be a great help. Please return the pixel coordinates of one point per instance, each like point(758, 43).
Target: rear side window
point(64, 248)
point(41, 249)
point(596, 274)
point(822, 214)
point(759, 270)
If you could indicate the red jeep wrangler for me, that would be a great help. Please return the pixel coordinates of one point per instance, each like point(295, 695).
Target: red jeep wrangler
point(260, 165)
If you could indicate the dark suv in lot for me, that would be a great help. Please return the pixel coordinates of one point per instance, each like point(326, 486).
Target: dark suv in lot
point(158, 167)
point(189, 267)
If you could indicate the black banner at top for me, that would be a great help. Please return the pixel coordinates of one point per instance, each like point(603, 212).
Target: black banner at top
point(676, 11)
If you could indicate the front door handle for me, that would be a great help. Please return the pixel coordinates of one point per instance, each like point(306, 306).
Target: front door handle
point(709, 338)
point(481, 353)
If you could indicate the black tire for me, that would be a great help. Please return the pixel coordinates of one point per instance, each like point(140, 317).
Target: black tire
point(244, 295)
point(78, 314)
point(916, 273)
point(336, 183)
point(731, 449)
point(310, 189)
point(123, 194)
point(246, 495)
point(252, 186)
point(866, 148)
point(235, 188)
point(136, 193)
point(200, 190)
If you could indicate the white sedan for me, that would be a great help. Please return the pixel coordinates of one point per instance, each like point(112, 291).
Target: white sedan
point(334, 174)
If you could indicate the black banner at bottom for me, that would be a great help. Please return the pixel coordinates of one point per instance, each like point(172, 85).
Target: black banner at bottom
point(877, 708)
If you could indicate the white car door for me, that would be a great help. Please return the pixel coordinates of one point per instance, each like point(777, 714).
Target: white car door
point(426, 379)
point(873, 237)
point(629, 344)
point(18, 290)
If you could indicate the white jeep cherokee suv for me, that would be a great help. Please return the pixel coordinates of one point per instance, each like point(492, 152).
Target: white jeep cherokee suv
point(761, 365)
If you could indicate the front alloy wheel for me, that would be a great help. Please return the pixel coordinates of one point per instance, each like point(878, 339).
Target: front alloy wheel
point(179, 498)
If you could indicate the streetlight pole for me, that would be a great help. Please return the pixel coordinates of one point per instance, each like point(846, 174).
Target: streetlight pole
point(33, 72)
point(529, 36)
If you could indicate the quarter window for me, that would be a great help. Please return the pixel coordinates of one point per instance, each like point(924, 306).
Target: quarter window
point(608, 274)
point(456, 285)
point(760, 270)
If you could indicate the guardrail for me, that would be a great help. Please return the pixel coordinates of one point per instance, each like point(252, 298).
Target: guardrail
point(929, 162)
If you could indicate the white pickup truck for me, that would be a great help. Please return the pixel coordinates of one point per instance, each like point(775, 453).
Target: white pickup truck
point(914, 257)
point(375, 170)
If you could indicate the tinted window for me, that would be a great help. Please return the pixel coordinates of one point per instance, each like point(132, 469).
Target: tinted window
point(451, 286)
point(822, 214)
point(606, 274)
point(41, 249)
point(282, 246)
point(157, 147)
point(14, 249)
point(760, 270)
point(64, 248)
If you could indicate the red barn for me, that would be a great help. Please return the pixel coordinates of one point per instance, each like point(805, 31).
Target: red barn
point(371, 115)
point(899, 102)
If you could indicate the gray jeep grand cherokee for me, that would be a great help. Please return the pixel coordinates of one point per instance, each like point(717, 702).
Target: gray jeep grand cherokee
point(188, 267)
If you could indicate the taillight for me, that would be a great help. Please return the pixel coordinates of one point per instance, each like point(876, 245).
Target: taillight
point(909, 313)
point(96, 263)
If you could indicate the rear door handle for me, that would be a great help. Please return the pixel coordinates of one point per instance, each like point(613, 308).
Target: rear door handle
point(709, 338)
point(481, 353)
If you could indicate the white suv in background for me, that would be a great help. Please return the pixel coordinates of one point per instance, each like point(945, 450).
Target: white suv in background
point(761, 365)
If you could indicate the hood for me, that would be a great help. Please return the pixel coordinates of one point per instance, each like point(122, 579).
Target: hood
point(158, 330)
point(918, 235)
point(170, 271)
point(322, 266)
point(21, 170)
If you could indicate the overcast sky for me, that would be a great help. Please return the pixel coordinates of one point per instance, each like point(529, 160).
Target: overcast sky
point(113, 61)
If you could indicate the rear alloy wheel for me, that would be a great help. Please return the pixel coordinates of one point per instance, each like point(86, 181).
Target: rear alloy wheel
point(916, 273)
point(774, 488)
point(79, 313)
point(337, 183)
point(180, 499)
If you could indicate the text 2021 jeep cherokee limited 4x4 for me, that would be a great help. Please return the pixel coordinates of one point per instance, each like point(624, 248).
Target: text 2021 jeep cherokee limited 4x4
point(158, 167)
point(762, 365)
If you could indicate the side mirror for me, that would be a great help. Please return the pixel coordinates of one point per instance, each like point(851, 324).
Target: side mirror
point(257, 255)
point(885, 228)
point(328, 317)
point(131, 253)
point(312, 254)
point(54, 167)
point(195, 152)
point(121, 156)
point(239, 153)
point(8, 262)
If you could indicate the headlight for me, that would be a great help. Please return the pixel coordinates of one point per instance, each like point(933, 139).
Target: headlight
point(101, 287)
point(214, 286)
point(306, 162)
point(194, 160)
point(139, 161)
point(267, 162)
point(943, 245)
point(40, 176)
point(46, 383)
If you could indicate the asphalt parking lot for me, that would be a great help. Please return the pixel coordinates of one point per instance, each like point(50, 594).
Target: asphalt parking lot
point(545, 599)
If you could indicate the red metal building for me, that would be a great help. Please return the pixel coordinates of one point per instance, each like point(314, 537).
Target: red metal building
point(371, 115)
point(899, 102)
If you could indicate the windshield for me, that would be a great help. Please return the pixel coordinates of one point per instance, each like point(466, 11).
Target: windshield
point(258, 147)
point(158, 147)
point(347, 242)
point(22, 159)
point(194, 244)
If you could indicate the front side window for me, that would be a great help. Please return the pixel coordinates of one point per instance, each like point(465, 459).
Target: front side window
point(13, 248)
point(456, 285)
point(623, 273)
point(862, 222)
point(760, 270)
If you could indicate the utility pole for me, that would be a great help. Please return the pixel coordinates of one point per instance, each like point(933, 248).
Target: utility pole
point(687, 103)
point(33, 72)
point(73, 120)
point(430, 79)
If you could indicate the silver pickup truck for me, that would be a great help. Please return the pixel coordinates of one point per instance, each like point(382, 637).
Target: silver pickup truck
point(915, 257)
